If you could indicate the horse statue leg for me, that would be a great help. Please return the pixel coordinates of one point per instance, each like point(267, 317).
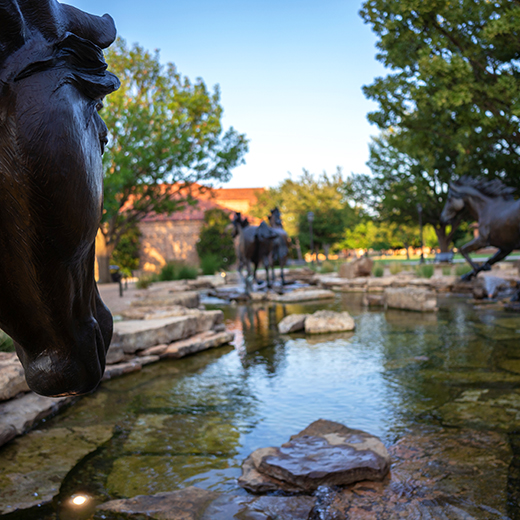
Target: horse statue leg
point(473, 245)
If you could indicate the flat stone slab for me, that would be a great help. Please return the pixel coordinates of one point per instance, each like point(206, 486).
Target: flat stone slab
point(411, 298)
point(301, 295)
point(198, 504)
point(325, 453)
point(165, 298)
point(20, 414)
point(197, 343)
point(134, 335)
point(33, 467)
point(329, 321)
point(292, 323)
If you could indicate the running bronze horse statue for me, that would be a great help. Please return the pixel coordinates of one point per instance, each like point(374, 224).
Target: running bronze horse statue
point(253, 244)
point(53, 79)
point(280, 251)
point(492, 204)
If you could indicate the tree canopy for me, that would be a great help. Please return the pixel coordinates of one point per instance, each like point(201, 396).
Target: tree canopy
point(451, 105)
point(165, 133)
point(325, 195)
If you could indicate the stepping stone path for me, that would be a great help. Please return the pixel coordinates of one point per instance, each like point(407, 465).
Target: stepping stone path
point(325, 453)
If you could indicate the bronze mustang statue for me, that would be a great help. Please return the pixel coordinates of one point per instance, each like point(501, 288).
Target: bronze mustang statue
point(280, 251)
point(492, 204)
point(53, 79)
point(253, 244)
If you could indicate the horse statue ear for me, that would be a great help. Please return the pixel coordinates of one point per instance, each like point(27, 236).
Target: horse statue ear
point(12, 28)
point(100, 30)
point(19, 18)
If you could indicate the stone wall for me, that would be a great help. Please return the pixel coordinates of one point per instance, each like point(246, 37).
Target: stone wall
point(164, 241)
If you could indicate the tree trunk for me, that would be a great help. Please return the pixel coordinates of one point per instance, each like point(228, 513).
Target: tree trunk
point(326, 249)
point(298, 248)
point(103, 255)
point(443, 239)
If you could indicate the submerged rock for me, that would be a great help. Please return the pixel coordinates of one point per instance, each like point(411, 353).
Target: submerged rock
point(325, 453)
point(198, 504)
point(329, 321)
point(33, 467)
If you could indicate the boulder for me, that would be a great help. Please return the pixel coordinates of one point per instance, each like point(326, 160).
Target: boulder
point(198, 504)
point(325, 453)
point(411, 298)
point(358, 267)
point(292, 323)
point(12, 376)
point(329, 321)
point(374, 300)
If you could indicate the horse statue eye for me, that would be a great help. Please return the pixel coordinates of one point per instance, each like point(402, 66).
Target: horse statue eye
point(99, 105)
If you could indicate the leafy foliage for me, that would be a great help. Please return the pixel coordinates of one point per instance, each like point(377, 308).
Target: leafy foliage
point(451, 105)
point(126, 254)
point(215, 245)
point(165, 133)
point(177, 271)
point(326, 196)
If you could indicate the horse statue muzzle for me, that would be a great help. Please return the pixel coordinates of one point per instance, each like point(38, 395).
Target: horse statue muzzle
point(53, 79)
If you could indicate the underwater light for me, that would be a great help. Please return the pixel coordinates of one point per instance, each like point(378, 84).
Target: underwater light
point(79, 500)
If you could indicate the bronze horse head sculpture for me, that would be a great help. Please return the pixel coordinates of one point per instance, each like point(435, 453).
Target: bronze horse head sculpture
point(492, 204)
point(53, 79)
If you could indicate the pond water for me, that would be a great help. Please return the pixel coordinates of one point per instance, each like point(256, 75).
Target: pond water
point(193, 421)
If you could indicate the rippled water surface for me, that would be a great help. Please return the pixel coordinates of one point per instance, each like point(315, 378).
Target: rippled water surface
point(193, 421)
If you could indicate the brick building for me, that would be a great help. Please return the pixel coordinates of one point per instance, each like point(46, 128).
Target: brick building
point(165, 238)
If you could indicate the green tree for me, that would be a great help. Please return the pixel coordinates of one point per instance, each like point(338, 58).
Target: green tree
point(126, 254)
point(215, 239)
point(451, 104)
point(165, 134)
point(325, 195)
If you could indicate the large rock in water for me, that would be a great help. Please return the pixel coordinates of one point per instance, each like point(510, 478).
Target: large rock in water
point(292, 323)
point(329, 321)
point(356, 268)
point(325, 453)
point(411, 299)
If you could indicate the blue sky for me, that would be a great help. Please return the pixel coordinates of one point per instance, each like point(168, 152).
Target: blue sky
point(290, 73)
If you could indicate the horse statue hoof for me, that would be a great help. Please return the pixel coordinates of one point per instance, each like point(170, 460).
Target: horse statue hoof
point(468, 276)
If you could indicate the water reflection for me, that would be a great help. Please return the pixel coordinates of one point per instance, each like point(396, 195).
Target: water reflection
point(193, 421)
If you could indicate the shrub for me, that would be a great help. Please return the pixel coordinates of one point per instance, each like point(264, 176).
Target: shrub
point(395, 267)
point(215, 238)
point(378, 271)
point(187, 272)
point(425, 270)
point(327, 267)
point(461, 269)
point(446, 271)
point(210, 264)
point(6, 343)
point(145, 281)
point(177, 271)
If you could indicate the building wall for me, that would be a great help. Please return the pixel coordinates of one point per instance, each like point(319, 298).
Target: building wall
point(164, 241)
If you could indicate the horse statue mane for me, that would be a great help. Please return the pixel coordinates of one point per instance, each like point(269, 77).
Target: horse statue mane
point(492, 188)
